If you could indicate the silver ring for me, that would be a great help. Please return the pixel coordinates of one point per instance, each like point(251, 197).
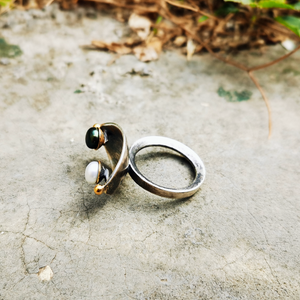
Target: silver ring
point(154, 188)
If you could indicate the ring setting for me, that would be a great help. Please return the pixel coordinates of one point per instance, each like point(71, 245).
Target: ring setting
point(94, 137)
point(111, 136)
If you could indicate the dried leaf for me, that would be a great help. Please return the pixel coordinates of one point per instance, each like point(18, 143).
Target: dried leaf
point(114, 47)
point(129, 42)
point(190, 49)
point(141, 25)
point(258, 43)
point(145, 54)
point(180, 40)
point(155, 43)
point(150, 51)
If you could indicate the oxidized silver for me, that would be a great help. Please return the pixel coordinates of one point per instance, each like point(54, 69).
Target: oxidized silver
point(112, 137)
point(154, 188)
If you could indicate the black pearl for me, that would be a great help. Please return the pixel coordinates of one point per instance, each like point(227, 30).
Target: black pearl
point(92, 138)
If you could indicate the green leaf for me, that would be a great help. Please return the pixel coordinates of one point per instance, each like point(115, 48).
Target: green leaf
point(245, 2)
point(297, 6)
point(268, 4)
point(4, 2)
point(159, 19)
point(78, 92)
point(292, 23)
point(226, 9)
point(202, 19)
point(274, 4)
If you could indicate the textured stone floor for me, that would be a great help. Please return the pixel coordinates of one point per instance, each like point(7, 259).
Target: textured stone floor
point(237, 238)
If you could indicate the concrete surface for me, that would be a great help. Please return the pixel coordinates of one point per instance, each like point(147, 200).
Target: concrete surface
point(237, 238)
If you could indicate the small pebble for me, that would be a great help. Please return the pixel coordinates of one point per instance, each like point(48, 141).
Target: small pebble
point(289, 45)
point(4, 61)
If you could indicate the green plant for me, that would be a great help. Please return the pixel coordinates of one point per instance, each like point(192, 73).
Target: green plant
point(291, 22)
point(5, 2)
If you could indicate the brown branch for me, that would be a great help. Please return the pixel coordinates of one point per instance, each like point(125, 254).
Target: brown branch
point(244, 68)
point(145, 9)
point(228, 61)
point(274, 61)
point(248, 70)
point(195, 9)
point(265, 99)
point(182, 5)
point(166, 14)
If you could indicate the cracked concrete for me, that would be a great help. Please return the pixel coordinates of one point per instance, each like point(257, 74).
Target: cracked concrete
point(237, 238)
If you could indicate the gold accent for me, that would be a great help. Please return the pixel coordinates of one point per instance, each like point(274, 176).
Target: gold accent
point(101, 135)
point(99, 189)
point(99, 171)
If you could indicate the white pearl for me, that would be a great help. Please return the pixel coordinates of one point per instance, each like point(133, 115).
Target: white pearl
point(91, 172)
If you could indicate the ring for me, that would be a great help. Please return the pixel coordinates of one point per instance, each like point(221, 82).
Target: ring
point(148, 185)
point(111, 136)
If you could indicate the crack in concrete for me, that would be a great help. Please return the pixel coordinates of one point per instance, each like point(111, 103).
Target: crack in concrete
point(28, 215)
point(235, 260)
point(125, 282)
point(23, 256)
point(94, 246)
point(29, 237)
point(17, 282)
point(267, 262)
point(148, 236)
point(53, 213)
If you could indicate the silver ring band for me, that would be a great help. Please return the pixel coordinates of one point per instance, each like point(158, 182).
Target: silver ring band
point(148, 185)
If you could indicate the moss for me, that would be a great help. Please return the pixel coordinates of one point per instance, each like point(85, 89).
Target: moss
point(9, 51)
point(234, 96)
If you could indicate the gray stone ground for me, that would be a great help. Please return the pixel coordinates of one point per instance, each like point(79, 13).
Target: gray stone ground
point(237, 238)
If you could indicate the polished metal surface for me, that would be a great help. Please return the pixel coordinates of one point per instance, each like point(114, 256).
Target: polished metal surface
point(116, 147)
point(154, 188)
